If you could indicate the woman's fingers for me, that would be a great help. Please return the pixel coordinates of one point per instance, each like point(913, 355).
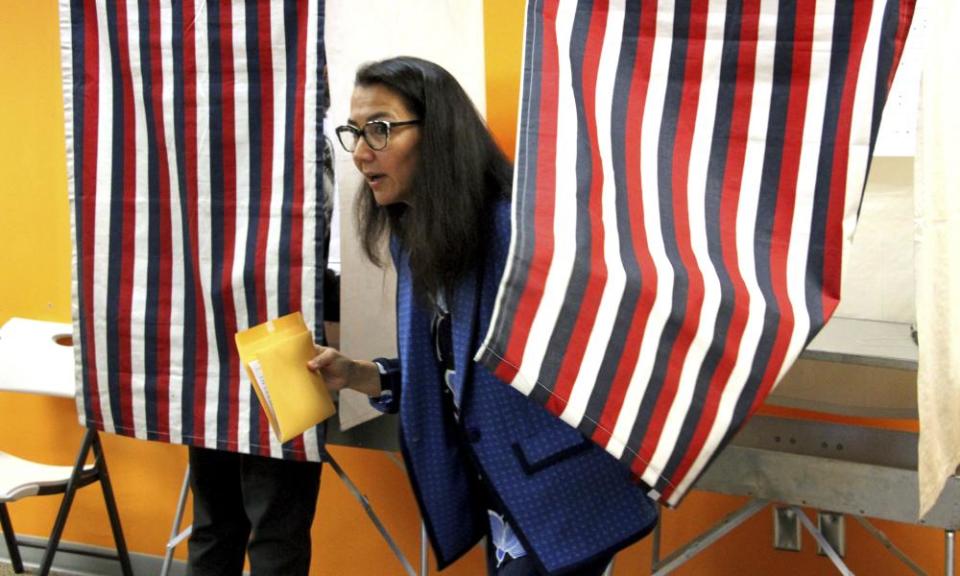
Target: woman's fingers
point(333, 365)
point(324, 356)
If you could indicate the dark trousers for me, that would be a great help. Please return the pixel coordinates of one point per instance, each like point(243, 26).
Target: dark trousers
point(244, 503)
point(524, 566)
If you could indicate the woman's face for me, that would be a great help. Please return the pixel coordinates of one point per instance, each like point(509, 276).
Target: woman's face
point(388, 172)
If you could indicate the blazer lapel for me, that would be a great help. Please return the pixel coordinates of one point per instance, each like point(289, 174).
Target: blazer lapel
point(463, 309)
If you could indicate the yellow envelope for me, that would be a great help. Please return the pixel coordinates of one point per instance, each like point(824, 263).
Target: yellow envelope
point(275, 354)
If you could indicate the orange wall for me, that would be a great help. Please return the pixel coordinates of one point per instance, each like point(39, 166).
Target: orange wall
point(34, 282)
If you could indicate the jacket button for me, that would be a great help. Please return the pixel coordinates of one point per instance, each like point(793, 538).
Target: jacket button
point(473, 435)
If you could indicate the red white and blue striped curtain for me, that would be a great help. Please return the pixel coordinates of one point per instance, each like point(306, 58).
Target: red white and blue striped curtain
point(688, 177)
point(193, 144)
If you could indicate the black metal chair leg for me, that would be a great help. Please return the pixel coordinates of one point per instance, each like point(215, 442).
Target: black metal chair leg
point(10, 537)
point(122, 553)
point(65, 504)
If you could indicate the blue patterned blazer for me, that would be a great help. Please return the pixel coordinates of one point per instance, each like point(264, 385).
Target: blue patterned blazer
point(568, 501)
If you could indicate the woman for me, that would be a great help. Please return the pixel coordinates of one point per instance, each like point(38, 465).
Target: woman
point(482, 458)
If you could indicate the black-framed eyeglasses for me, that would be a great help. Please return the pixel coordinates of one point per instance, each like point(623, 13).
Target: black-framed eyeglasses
point(376, 133)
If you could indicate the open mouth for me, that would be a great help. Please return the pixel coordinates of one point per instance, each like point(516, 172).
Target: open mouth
point(374, 179)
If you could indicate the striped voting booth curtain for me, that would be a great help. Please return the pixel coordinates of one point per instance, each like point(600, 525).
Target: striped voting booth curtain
point(193, 143)
point(688, 175)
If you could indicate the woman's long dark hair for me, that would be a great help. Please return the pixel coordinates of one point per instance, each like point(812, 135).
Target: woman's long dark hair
point(460, 172)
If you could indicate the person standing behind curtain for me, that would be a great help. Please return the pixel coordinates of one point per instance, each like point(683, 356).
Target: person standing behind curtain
point(482, 458)
point(247, 504)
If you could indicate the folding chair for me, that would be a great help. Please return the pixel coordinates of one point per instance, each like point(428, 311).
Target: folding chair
point(21, 340)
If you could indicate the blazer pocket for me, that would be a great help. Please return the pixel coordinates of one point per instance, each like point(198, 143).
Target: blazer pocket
point(548, 447)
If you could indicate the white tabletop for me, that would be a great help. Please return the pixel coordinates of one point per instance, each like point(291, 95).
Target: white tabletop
point(865, 342)
point(32, 361)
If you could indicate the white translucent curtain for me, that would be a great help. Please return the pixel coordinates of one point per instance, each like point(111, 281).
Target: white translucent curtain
point(937, 244)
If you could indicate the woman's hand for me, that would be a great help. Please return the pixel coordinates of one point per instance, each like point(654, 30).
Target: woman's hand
point(339, 371)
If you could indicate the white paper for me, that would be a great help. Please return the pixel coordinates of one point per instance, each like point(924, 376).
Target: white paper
point(260, 381)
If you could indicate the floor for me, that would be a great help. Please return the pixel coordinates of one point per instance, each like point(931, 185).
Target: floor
point(7, 570)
